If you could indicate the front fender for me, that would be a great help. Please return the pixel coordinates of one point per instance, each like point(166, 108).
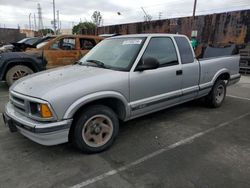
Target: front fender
point(93, 97)
point(5, 66)
point(8, 59)
point(1, 72)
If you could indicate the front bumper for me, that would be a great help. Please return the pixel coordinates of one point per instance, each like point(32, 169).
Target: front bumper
point(44, 133)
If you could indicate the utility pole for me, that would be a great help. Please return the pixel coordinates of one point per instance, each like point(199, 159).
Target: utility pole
point(29, 21)
point(160, 15)
point(194, 31)
point(54, 17)
point(194, 10)
point(40, 19)
point(35, 21)
point(58, 22)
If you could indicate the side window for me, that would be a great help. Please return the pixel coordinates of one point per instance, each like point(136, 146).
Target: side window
point(185, 50)
point(163, 50)
point(64, 44)
point(87, 44)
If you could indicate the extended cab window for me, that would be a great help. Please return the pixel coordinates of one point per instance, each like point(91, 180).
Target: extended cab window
point(64, 44)
point(185, 50)
point(162, 49)
point(87, 44)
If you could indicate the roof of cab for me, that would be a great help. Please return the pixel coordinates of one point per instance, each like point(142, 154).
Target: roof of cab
point(80, 36)
point(148, 35)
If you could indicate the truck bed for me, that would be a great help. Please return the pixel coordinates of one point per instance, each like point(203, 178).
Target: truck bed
point(210, 67)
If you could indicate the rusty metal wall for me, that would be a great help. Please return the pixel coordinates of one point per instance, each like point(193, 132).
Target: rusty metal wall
point(220, 28)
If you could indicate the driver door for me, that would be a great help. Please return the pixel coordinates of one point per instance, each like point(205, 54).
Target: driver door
point(151, 90)
point(61, 52)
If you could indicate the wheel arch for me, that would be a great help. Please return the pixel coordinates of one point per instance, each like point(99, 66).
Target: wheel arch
point(117, 102)
point(223, 74)
point(111, 99)
point(11, 64)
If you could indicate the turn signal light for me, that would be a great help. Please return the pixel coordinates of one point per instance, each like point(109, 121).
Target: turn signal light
point(45, 111)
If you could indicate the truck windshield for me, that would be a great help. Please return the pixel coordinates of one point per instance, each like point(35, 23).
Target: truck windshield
point(116, 53)
point(29, 41)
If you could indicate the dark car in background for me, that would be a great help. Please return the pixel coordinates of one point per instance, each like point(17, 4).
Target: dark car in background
point(25, 43)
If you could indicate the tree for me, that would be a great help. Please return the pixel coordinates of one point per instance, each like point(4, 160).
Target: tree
point(97, 18)
point(46, 32)
point(77, 29)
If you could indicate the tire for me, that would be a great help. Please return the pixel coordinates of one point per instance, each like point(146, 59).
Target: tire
point(95, 129)
point(217, 95)
point(17, 72)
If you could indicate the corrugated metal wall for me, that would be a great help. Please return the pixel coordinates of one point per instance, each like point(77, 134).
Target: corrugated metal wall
point(215, 28)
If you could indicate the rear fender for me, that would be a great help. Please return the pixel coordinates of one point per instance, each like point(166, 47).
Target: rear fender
point(219, 73)
point(215, 77)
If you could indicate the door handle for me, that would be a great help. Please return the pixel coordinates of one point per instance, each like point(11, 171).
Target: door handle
point(179, 72)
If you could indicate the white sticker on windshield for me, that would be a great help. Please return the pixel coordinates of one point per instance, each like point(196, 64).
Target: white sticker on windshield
point(135, 41)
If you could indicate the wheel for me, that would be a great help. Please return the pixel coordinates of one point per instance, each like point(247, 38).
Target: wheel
point(95, 129)
point(217, 95)
point(17, 72)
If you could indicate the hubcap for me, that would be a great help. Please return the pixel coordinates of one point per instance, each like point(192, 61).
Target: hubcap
point(97, 131)
point(219, 95)
point(19, 74)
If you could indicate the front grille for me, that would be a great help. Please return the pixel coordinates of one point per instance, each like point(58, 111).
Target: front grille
point(25, 105)
point(19, 103)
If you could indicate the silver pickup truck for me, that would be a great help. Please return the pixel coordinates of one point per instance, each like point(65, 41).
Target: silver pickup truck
point(122, 78)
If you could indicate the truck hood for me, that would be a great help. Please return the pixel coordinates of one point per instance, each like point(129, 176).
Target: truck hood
point(47, 84)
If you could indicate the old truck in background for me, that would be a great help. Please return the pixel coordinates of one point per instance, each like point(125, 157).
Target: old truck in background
point(122, 78)
point(61, 50)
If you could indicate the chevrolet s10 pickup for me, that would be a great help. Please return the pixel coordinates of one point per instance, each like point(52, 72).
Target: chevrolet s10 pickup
point(121, 78)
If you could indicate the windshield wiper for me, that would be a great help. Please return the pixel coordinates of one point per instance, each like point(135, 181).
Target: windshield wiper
point(98, 63)
point(77, 62)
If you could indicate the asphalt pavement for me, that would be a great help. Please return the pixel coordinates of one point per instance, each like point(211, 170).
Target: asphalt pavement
point(185, 146)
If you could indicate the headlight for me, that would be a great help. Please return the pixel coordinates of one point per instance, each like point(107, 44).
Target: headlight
point(41, 110)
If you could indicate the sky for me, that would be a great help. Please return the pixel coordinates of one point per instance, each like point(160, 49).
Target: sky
point(16, 12)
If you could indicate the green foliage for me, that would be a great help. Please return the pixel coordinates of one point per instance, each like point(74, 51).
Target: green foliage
point(46, 31)
point(77, 29)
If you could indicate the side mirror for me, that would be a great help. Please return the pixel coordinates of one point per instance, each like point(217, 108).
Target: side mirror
point(148, 64)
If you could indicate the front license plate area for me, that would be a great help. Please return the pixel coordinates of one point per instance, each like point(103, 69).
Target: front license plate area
point(9, 123)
